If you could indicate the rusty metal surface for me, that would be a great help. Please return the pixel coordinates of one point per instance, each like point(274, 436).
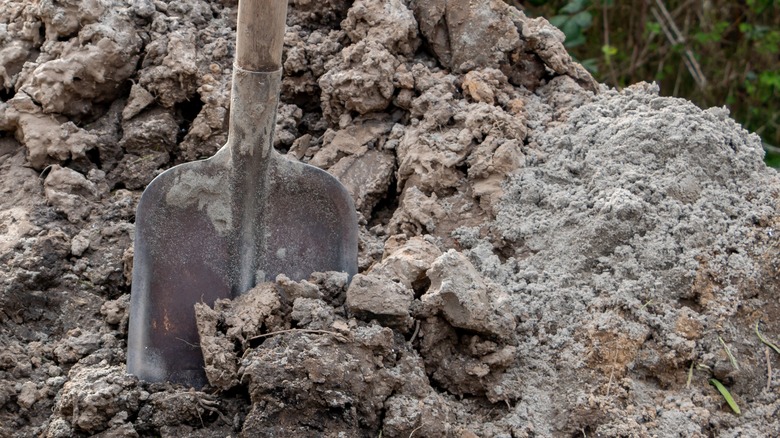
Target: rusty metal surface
point(214, 228)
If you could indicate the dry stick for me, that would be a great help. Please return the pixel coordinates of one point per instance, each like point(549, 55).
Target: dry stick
point(416, 331)
point(664, 27)
point(321, 332)
point(612, 370)
point(701, 80)
point(611, 375)
point(674, 36)
point(415, 430)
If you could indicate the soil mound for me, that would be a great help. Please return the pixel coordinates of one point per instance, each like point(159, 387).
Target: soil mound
point(539, 255)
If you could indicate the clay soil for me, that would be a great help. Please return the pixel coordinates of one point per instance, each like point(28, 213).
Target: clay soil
point(539, 255)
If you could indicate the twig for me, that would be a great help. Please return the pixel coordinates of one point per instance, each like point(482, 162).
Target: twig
point(189, 343)
point(321, 332)
point(211, 406)
point(612, 370)
point(770, 148)
point(415, 430)
point(416, 331)
point(673, 34)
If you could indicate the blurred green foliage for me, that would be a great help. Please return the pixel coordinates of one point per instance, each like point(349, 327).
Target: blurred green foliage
point(714, 53)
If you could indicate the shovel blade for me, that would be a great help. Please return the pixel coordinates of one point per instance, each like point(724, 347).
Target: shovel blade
point(192, 245)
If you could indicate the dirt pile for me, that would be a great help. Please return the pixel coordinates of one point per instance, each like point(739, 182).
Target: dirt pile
point(539, 255)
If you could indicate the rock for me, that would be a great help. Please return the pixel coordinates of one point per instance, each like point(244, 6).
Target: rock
point(70, 192)
point(406, 416)
point(361, 81)
point(28, 395)
point(153, 131)
point(79, 244)
point(326, 374)
point(366, 176)
point(375, 297)
point(93, 396)
point(116, 312)
point(174, 79)
point(233, 323)
point(410, 262)
point(47, 139)
point(76, 345)
point(221, 363)
point(313, 314)
point(389, 23)
point(292, 290)
point(365, 133)
point(139, 99)
point(91, 67)
point(460, 294)
point(469, 36)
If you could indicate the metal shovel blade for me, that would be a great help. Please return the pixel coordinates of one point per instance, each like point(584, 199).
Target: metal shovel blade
point(213, 229)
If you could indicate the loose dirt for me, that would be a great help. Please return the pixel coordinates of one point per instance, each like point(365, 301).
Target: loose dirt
point(539, 255)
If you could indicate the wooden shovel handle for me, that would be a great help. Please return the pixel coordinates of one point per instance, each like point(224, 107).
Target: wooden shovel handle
point(260, 34)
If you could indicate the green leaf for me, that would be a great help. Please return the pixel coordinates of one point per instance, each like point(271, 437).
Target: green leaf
point(583, 19)
point(574, 6)
point(707, 37)
point(559, 20)
point(765, 341)
point(591, 65)
point(653, 27)
point(772, 160)
point(727, 395)
point(574, 42)
point(608, 50)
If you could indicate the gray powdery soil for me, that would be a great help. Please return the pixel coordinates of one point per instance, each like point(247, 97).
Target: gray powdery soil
point(644, 232)
point(539, 256)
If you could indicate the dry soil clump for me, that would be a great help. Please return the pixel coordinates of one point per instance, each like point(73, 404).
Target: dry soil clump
point(539, 255)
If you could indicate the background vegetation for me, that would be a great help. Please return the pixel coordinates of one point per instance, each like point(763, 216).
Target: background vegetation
point(713, 52)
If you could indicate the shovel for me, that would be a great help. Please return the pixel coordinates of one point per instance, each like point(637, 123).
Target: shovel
point(215, 228)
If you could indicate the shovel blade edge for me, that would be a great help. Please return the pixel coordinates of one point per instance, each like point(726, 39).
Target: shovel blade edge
point(180, 258)
point(191, 247)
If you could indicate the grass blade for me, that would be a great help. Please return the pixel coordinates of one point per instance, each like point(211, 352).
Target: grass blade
point(732, 359)
point(765, 341)
point(727, 395)
point(690, 375)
